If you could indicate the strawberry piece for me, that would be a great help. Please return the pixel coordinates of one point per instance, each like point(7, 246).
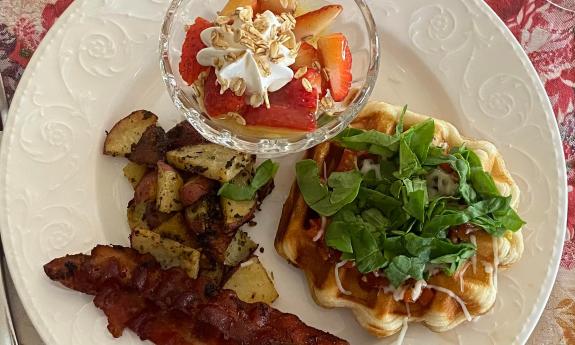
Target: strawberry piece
point(232, 5)
point(189, 66)
point(220, 104)
point(314, 22)
point(306, 56)
point(291, 107)
point(336, 59)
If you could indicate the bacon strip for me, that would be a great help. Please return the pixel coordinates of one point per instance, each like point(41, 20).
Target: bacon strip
point(168, 308)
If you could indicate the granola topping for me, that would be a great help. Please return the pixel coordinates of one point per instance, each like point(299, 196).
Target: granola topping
point(251, 55)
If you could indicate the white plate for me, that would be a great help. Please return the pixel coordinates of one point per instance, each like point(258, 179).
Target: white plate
point(59, 195)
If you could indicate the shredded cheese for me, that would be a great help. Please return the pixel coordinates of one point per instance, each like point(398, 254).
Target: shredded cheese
point(495, 260)
point(369, 165)
point(461, 285)
point(321, 229)
point(418, 289)
point(398, 294)
point(474, 257)
point(401, 335)
point(338, 281)
point(455, 297)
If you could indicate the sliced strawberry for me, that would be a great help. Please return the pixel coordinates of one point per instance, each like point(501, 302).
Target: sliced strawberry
point(306, 56)
point(291, 107)
point(314, 22)
point(217, 104)
point(189, 66)
point(232, 5)
point(277, 6)
point(336, 59)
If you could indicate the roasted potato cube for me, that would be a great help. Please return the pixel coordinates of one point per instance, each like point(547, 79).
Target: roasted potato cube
point(204, 216)
point(127, 132)
point(134, 173)
point(151, 147)
point(183, 134)
point(136, 215)
point(169, 253)
point(252, 283)
point(169, 184)
point(147, 188)
point(195, 189)
point(153, 217)
point(240, 249)
point(175, 229)
point(210, 160)
point(237, 213)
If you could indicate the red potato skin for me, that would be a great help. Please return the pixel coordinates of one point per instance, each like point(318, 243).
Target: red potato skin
point(147, 188)
point(195, 189)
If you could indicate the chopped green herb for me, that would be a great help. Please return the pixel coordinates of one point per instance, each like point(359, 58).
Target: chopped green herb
point(397, 220)
point(264, 174)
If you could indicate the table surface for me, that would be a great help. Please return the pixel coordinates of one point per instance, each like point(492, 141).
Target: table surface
point(546, 32)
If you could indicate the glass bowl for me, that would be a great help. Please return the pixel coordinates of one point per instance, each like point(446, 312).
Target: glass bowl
point(355, 22)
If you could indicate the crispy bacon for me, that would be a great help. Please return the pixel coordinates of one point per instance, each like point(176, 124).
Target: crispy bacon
point(168, 308)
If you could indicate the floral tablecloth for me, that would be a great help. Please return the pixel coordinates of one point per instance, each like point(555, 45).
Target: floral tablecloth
point(546, 32)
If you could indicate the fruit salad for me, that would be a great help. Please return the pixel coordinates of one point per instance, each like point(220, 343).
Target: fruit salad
point(261, 65)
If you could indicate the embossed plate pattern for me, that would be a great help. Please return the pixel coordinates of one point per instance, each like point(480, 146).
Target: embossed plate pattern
point(59, 195)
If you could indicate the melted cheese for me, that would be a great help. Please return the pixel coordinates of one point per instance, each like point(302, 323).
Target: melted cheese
point(474, 257)
point(338, 281)
point(321, 229)
point(440, 183)
point(461, 276)
point(455, 297)
point(495, 260)
point(369, 165)
point(417, 289)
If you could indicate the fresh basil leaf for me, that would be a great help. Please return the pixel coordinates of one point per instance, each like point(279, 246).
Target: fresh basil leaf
point(347, 257)
point(368, 256)
point(402, 268)
point(491, 226)
point(383, 202)
point(483, 183)
point(415, 205)
point(450, 254)
point(236, 192)
point(444, 247)
point(420, 138)
point(418, 246)
point(509, 219)
point(338, 236)
point(326, 202)
point(374, 137)
point(436, 226)
point(265, 172)
point(374, 217)
point(408, 162)
point(345, 186)
point(309, 183)
point(484, 207)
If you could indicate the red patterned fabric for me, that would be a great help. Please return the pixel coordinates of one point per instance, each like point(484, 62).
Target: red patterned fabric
point(546, 33)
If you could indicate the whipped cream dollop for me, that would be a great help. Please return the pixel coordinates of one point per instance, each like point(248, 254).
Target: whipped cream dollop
point(251, 56)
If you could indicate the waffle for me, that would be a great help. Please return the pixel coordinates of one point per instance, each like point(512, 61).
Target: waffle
point(472, 291)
